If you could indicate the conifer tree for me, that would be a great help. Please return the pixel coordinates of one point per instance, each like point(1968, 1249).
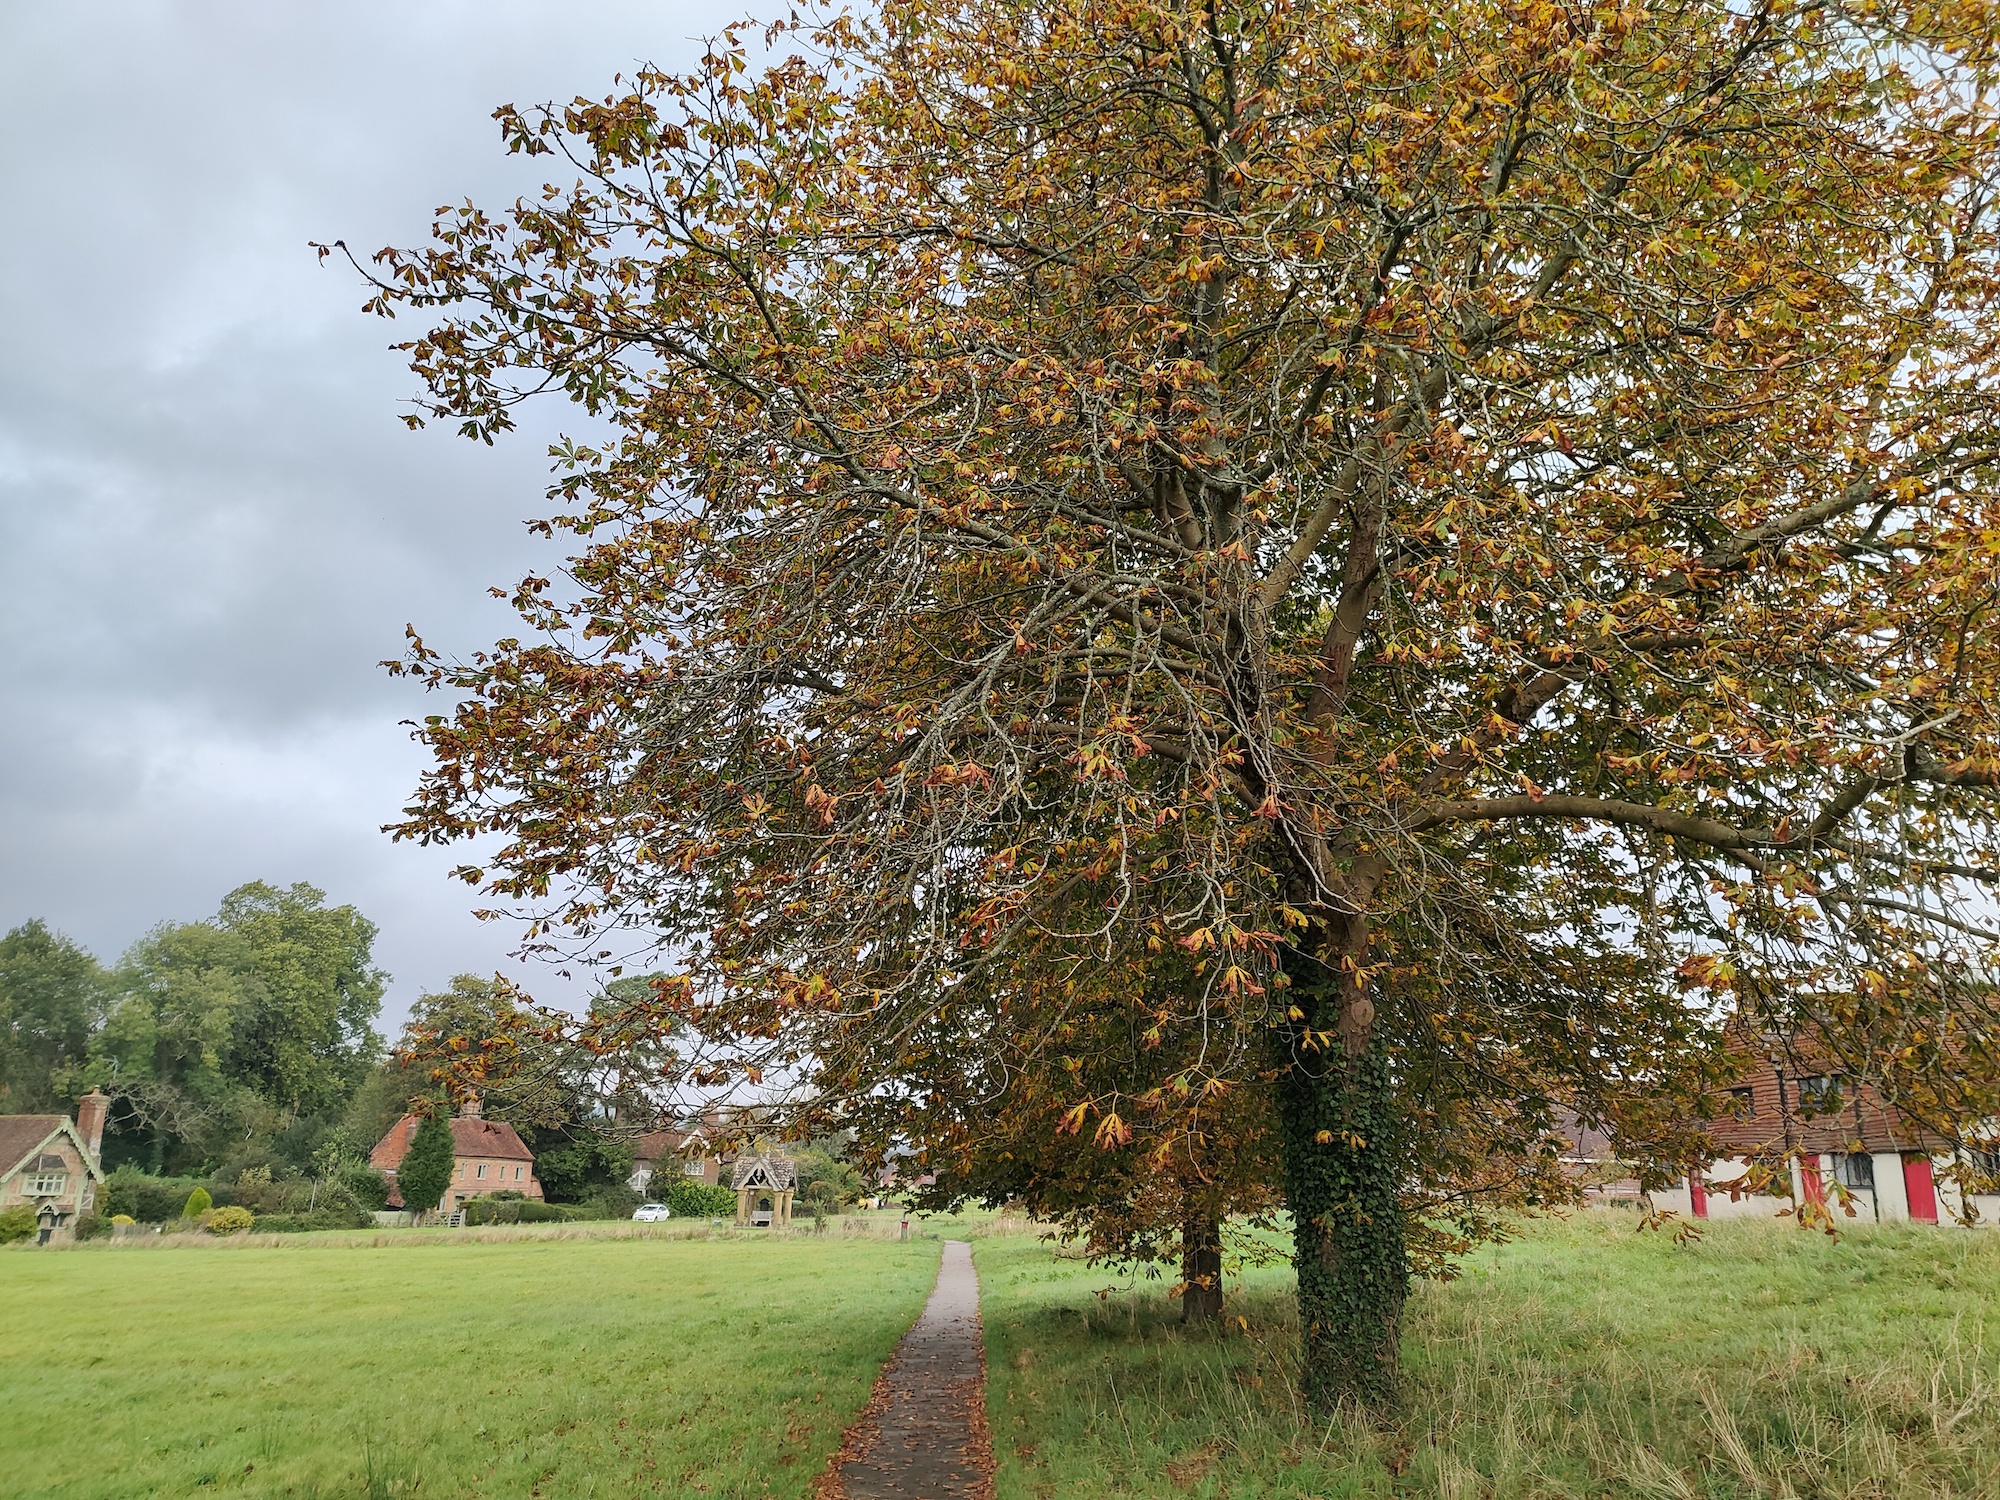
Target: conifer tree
point(426, 1168)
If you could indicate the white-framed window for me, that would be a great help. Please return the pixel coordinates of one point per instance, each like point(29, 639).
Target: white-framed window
point(517, 1174)
point(47, 1184)
point(693, 1168)
point(482, 1169)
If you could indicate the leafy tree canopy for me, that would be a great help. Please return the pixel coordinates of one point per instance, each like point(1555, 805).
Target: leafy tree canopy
point(1475, 525)
point(53, 995)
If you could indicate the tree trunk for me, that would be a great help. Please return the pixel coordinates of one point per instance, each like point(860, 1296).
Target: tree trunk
point(1201, 1259)
point(1343, 1169)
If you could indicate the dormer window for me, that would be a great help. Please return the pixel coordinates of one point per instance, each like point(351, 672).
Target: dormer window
point(1820, 1091)
point(47, 1184)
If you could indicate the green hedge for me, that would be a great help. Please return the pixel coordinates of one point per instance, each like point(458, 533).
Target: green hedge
point(337, 1216)
point(690, 1198)
point(516, 1211)
point(143, 1197)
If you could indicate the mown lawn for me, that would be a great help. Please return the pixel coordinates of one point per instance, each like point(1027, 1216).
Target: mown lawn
point(431, 1367)
point(1585, 1360)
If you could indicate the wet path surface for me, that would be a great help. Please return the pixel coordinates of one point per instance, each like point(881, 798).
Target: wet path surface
point(923, 1433)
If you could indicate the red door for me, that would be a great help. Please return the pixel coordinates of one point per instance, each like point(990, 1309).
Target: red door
point(1698, 1195)
point(1810, 1180)
point(1919, 1188)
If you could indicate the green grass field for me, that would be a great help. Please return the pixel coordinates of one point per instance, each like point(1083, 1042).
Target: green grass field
point(1585, 1360)
point(428, 1366)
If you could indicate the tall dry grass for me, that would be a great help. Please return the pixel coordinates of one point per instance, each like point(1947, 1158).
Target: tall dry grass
point(1585, 1362)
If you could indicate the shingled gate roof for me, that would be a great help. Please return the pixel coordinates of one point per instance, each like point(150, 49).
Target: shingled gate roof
point(771, 1170)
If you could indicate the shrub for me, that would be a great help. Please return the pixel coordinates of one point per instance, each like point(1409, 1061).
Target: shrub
point(335, 1198)
point(144, 1197)
point(118, 1219)
point(493, 1211)
point(611, 1202)
point(92, 1227)
point(512, 1208)
point(284, 1223)
point(16, 1223)
point(343, 1213)
point(826, 1183)
point(229, 1220)
point(367, 1186)
point(198, 1203)
point(157, 1201)
point(690, 1198)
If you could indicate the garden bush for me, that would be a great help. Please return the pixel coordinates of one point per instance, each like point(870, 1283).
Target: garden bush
point(609, 1203)
point(309, 1223)
point(16, 1223)
point(144, 1197)
point(198, 1203)
point(92, 1227)
point(690, 1198)
point(231, 1220)
point(365, 1184)
point(512, 1208)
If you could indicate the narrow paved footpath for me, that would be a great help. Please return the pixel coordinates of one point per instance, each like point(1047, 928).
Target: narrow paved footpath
point(923, 1435)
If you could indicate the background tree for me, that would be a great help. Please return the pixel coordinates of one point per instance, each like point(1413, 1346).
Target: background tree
point(572, 1104)
point(426, 1168)
point(1477, 521)
point(52, 998)
point(307, 1035)
point(254, 1024)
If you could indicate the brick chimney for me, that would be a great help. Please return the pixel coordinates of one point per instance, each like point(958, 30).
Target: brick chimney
point(469, 1110)
point(90, 1112)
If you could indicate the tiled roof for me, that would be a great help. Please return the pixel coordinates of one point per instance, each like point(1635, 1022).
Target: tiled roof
point(655, 1144)
point(489, 1140)
point(20, 1134)
point(1854, 1114)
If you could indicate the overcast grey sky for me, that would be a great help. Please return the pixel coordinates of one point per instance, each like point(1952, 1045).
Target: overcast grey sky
point(212, 524)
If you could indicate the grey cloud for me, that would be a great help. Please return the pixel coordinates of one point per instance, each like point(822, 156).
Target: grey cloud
point(212, 526)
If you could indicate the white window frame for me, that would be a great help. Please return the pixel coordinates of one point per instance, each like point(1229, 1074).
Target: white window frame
point(694, 1167)
point(47, 1184)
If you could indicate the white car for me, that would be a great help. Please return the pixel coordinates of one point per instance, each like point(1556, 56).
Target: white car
point(651, 1213)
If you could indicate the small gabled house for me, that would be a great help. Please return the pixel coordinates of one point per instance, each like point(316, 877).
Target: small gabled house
point(489, 1157)
point(50, 1163)
point(659, 1156)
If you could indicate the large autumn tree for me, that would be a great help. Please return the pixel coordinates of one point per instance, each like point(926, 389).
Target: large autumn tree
point(1473, 521)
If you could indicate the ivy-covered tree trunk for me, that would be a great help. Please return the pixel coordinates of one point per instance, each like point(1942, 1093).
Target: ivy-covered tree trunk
point(1343, 1169)
point(1201, 1258)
